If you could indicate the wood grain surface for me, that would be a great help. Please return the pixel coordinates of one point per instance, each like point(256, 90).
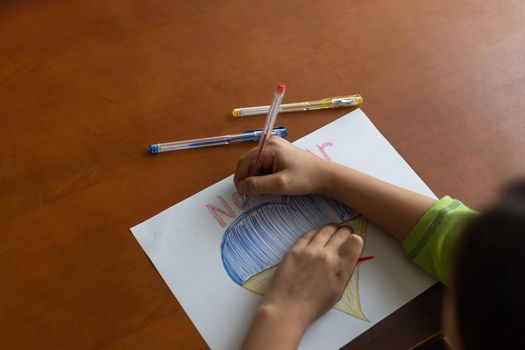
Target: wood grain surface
point(86, 86)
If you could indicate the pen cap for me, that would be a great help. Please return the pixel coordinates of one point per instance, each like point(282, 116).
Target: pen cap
point(280, 131)
point(280, 88)
point(345, 101)
point(154, 149)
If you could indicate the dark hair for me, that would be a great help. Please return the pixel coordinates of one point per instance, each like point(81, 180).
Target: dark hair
point(488, 279)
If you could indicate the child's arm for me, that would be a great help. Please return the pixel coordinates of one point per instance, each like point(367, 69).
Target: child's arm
point(394, 209)
point(432, 225)
point(295, 171)
point(308, 282)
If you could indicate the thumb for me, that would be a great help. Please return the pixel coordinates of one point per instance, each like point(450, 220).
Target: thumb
point(351, 249)
point(269, 184)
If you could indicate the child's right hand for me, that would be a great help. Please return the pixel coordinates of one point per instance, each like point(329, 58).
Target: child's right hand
point(293, 170)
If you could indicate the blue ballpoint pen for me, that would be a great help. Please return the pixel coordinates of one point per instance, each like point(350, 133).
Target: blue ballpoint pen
point(249, 135)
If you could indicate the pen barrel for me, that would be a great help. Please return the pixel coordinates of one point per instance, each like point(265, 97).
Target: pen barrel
point(204, 142)
point(260, 110)
point(181, 145)
point(207, 142)
point(335, 102)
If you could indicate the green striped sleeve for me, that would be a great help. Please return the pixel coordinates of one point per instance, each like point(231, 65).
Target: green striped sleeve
point(432, 240)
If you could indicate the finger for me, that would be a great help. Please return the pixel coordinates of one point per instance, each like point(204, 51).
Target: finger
point(243, 166)
point(304, 239)
point(278, 141)
point(267, 184)
point(268, 157)
point(268, 161)
point(342, 234)
point(321, 238)
point(351, 249)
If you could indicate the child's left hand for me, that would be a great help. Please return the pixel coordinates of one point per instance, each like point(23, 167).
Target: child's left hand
point(315, 272)
point(309, 281)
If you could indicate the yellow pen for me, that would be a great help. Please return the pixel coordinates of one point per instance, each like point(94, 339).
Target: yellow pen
point(330, 102)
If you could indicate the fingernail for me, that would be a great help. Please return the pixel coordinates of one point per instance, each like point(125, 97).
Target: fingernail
point(350, 227)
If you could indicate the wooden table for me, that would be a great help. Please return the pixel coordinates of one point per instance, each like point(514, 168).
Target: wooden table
point(85, 86)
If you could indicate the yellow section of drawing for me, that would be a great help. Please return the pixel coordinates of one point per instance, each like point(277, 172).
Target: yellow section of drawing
point(349, 302)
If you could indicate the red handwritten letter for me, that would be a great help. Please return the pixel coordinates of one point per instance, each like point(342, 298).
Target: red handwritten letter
point(323, 152)
point(214, 211)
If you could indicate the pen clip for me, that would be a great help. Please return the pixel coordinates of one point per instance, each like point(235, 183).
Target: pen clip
point(261, 129)
point(250, 131)
point(280, 131)
point(345, 101)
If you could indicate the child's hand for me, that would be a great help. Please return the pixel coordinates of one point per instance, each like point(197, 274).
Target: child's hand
point(292, 170)
point(314, 273)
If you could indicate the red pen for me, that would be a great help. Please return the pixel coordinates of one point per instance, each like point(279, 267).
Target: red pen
point(364, 258)
point(268, 126)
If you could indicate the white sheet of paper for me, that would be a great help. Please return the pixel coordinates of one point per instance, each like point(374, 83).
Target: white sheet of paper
point(184, 244)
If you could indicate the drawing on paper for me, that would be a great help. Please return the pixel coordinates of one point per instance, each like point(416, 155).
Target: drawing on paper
point(254, 244)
